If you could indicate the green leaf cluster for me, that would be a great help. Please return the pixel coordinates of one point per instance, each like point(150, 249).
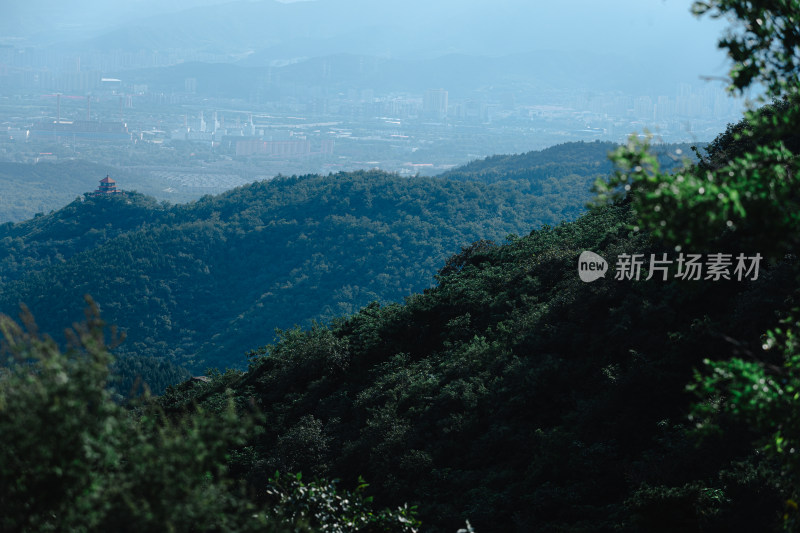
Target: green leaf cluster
point(72, 459)
point(75, 460)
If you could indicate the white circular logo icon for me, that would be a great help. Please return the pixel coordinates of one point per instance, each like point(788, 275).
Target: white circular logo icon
point(591, 267)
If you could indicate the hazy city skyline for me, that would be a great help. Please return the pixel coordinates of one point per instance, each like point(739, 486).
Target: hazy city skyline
point(202, 95)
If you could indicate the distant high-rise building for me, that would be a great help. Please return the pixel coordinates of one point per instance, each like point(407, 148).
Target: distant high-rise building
point(643, 108)
point(665, 108)
point(684, 90)
point(435, 103)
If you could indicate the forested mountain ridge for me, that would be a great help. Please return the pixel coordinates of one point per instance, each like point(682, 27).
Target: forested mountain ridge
point(200, 281)
point(82, 225)
point(28, 190)
point(538, 168)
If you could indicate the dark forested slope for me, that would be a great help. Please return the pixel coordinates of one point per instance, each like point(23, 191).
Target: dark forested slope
point(522, 398)
point(512, 393)
point(519, 397)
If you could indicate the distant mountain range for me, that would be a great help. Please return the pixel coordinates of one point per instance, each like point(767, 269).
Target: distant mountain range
point(268, 32)
point(462, 75)
point(45, 22)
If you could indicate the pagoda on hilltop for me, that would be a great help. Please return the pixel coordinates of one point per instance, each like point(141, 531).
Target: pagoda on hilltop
point(107, 186)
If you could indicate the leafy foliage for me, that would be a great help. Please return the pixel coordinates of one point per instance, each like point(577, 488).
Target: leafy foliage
point(743, 194)
point(696, 204)
point(74, 460)
point(326, 508)
point(764, 41)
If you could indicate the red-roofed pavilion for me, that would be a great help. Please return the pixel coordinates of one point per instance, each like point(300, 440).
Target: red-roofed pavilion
point(107, 186)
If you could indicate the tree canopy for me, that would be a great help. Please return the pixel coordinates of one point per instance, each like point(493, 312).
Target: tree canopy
point(199, 284)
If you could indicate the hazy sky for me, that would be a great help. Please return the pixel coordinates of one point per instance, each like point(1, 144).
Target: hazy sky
point(662, 30)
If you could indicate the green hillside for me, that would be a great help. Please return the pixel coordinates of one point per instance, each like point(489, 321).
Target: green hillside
point(200, 283)
point(539, 169)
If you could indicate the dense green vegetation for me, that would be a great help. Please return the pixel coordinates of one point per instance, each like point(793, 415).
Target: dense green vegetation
point(74, 460)
point(519, 397)
point(199, 284)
